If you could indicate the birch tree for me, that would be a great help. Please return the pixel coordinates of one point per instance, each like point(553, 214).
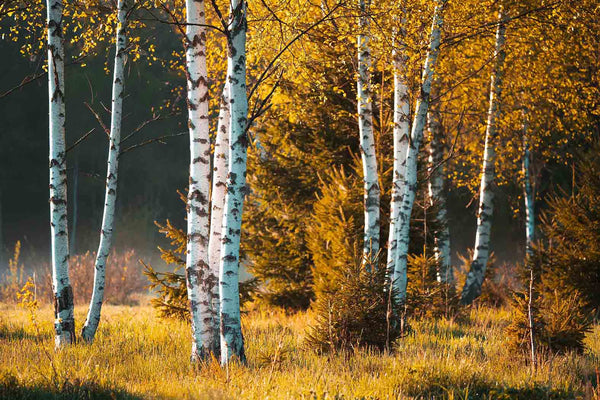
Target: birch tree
point(110, 197)
point(528, 190)
point(232, 341)
point(472, 287)
point(399, 278)
point(367, 139)
point(64, 324)
point(437, 197)
point(400, 137)
point(218, 193)
point(201, 280)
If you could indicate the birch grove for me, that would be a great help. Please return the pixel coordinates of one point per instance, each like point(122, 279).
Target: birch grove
point(472, 287)
point(110, 197)
point(232, 341)
point(200, 279)
point(64, 324)
point(399, 278)
point(367, 139)
point(437, 197)
point(400, 137)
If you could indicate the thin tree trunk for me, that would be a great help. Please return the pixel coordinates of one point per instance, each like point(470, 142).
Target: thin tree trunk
point(110, 197)
point(437, 197)
point(219, 190)
point(367, 139)
point(528, 192)
point(232, 341)
point(73, 242)
point(400, 133)
point(64, 325)
point(201, 281)
point(472, 288)
point(416, 136)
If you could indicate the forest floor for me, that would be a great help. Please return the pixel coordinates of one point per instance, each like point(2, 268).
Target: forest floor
point(136, 355)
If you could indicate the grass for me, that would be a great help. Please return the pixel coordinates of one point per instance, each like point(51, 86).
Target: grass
point(137, 355)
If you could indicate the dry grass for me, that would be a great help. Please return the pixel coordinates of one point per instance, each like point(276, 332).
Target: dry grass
point(137, 355)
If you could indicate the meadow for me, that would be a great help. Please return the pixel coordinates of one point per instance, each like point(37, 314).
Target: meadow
point(136, 355)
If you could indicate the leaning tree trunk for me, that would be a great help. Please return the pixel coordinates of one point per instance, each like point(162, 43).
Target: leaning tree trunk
point(64, 325)
point(528, 191)
point(201, 280)
point(472, 287)
point(232, 341)
point(219, 190)
point(110, 197)
point(400, 133)
point(410, 181)
point(367, 139)
point(437, 197)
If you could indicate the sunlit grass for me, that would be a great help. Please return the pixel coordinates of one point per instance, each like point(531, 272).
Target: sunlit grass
point(137, 355)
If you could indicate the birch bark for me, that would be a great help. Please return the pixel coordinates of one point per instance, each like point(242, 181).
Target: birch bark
point(64, 325)
point(399, 278)
point(367, 139)
point(400, 138)
point(201, 280)
point(528, 191)
point(232, 341)
point(110, 197)
point(438, 198)
point(219, 190)
point(472, 287)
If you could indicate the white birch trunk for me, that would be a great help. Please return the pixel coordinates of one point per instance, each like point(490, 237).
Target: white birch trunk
point(219, 190)
point(399, 277)
point(472, 287)
point(400, 133)
point(110, 197)
point(200, 279)
point(64, 325)
point(438, 198)
point(367, 139)
point(528, 191)
point(232, 341)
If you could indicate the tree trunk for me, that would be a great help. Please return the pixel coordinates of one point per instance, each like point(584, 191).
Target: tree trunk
point(64, 325)
point(528, 192)
point(401, 131)
point(437, 197)
point(472, 288)
point(416, 136)
point(110, 197)
point(219, 190)
point(367, 139)
point(201, 280)
point(232, 341)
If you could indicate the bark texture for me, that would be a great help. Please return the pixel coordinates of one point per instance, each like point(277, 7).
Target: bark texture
point(219, 190)
point(437, 196)
point(472, 287)
point(110, 197)
point(201, 280)
point(64, 325)
point(399, 278)
point(367, 138)
point(528, 191)
point(400, 132)
point(232, 341)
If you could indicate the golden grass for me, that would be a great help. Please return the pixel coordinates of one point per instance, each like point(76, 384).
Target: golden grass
point(137, 355)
